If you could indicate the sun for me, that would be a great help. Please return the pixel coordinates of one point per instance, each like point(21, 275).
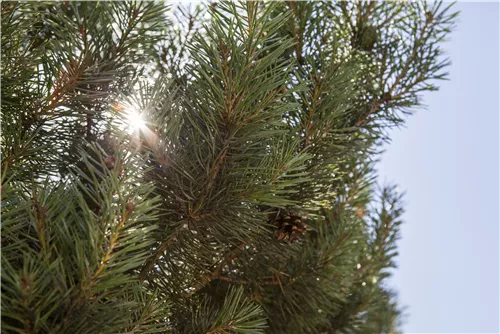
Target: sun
point(132, 119)
point(135, 120)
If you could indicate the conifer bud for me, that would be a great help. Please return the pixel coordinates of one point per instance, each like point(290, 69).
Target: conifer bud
point(430, 17)
point(130, 206)
point(360, 211)
point(324, 38)
point(109, 161)
point(386, 97)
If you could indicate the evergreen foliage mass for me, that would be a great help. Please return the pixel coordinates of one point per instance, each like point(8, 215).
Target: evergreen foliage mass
point(205, 167)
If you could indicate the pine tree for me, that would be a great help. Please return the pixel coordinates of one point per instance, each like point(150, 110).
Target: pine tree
point(206, 168)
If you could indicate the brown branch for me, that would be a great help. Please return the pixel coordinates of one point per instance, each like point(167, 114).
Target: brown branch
point(361, 307)
point(40, 213)
point(400, 77)
point(373, 110)
point(296, 34)
point(230, 106)
point(359, 9)
point(25, 285)
point(347, 16)
point(388, 19)
point(65, 82)
point(242, 281)
point(279, 282)
point(211, 181)
point(368, 11)
point(112, 244)
point(164, 245)
point(280, 172)
point(216, 273)
point(11, 159)
point(232, 280)
point(8, 6)
point(86, 285)
point(410, 59)
point(314, 99)
point(196, 206)
point(226, 328)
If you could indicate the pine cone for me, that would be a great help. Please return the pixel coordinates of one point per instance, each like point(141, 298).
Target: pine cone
point(366, 38)
point(289, 226)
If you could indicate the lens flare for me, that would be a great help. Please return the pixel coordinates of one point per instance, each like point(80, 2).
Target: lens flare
point(135, 120)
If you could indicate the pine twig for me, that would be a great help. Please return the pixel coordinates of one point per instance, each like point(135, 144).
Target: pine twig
point(216, 273)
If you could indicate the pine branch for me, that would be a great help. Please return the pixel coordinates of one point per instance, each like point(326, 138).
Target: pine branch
point(275, 108)
point(217, 272)
point(163, 247)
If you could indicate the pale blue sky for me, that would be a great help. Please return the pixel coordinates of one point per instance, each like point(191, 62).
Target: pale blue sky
point(447, 159)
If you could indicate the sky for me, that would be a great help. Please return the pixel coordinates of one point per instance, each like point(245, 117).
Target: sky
point(447, 160)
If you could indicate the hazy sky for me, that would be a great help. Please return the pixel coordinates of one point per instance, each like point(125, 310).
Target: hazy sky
point(447, 159)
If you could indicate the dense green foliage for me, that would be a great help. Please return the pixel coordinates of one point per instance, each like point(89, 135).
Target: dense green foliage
point(247, 200)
